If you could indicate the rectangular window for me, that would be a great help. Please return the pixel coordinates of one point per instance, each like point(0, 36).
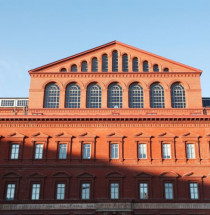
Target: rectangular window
point(35, 194)
point(190, 151)
point(166, 151)
point(114, 151)
point(15, 151)
point(142, 151)
point(60, 191)
point(143, 190)
point(10, 192)
point(62, 151)
point(169, 191)
point(38, 151)
point(193, 190)
point(85, 191)
point(114, 191)
point(86, 151)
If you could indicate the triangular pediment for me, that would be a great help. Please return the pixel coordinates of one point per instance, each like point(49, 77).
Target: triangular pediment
point(87, 135)
point(36, 175)
point(16, 135)
point(39, 137)
point(61, 175)
point(63, 135)
point(115, 135)
point(166, 135)
point(192, 175)
point(190, 135)
point(114, 175)
point(11, 175)
point(142, 135)
point(108, 48)
point(169, 175)
point(143, 175)
point(85, 175)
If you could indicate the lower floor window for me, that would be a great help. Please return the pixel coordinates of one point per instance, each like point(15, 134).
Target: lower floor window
point(169, 191)
point(10, 192)
point(193, 190)
point(114, 191)
point(85, 191)
point(35, 195)
point(143, 190)
point(60, 191)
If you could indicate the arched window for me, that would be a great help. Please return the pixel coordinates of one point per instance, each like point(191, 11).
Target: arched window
point(94, 96)
point(155, 68)
point(73, 96)
point(145, 66)
point(166, 70)
point(157, 99)
point(178, 96)
point(115, 61)
point(135, 64)
point(74, 68)
point(104, 63)
point(94, 64)
point(84, 66)
point(51, 97)
point(136, 99)
point(63, 70)
point(115, 96)
point(125, 63)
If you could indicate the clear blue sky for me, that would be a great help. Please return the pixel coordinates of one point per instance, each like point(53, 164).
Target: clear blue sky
point(36, 32)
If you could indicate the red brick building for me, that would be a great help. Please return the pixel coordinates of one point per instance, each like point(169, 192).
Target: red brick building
point(112, 130)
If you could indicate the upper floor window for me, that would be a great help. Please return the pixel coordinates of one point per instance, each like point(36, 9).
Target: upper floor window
point(115, 61)
point(114, 151)
point(94, 96)
point(157, 99)
point(114, 190)
point(190, 151)
point(84, 66)
point(86, 151)
point(142, 151)
point(125, 63)
point(52, 94)
point(155, 68)
point(166, 150)
point(62, 151)
point(14, 151)
point(136, 96)
point(166, 69)
point(35, 194)
point(63, 70)
point(143, 190)
point(145, 66)
point(73, 96)
point(94, 64)
point(135, 64)
point(168, 187)
point(74, 68)
point(178, 96)
point(194, 191)
point(104, 63)
point(10, 195)
point(60, 194)
point(85, 191)
point(115, 96)
point(38, 151)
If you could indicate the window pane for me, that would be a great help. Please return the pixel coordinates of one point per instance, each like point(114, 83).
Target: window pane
point(155, 68)
point(86, 151)
point(62, 151)
point(85, 191)
point(145, 66)
point(60, 191)
point(10, 192)
point(166, 70)
point(178, 96)
point(114, 61)
point(74, 68)
point(169, 191)
point(84, 66)
point(142, 151)
point(38, 151)
point(166, 151)
point(190, 151)
point(35, 194)
point(114, 191)
point(193, 190)
point(136, 99)
point(52, 94)
point(73, 96)
point(15, 151)
point(105, 63)
point(94, 96)
point(94, 64)
point(135, 64)
point(115, 96)
point(125, 63)
point(114, 151)
point(157, 99)
point(143, 191)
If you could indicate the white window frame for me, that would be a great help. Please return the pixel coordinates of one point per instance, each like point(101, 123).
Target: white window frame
point(39, 149)
point(60, 192)
point(143, 190)
point(169, 190)
point(114, 150)
point(142, 151)
point(35, 193)
point(190, 150)
point(15, 149)
point(194, 190)
point(10, 195)
point(166, 149)
point(114, 190)
point(86, 151)
point(85, 192)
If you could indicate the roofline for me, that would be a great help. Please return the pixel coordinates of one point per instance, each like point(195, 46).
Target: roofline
point(108, 44)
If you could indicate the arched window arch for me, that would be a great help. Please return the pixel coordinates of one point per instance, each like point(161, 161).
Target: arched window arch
point(104, 63)
point(94, 64)
point(63, 70)
point(115, 96)
point(73, 96)
point(157, 99)
point(74, 68)
point(135, 64)
point(145, 66)
point(84, 66)
point(115, 61)
point(156, 68)
point(136, 99)
point(178, 99)
point(51, 97)
point(166, 69)
point(94, 96)
point(125, 63)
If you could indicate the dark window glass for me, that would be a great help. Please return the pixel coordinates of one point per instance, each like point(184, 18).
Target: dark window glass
point(135, 64)
point(105, 63)
point(73, 96)
point(157, 99)
point(155, 68)
point(94, 64)
point(136, 99)
point(74, 68)
point(84, 66)
point(166, 70)
point(115, 96)
point(63, 70)
point(145, 66)
point(125, 63)
point(178, 96)
point(114, 61)
point(52, 94)
point(94, 96)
